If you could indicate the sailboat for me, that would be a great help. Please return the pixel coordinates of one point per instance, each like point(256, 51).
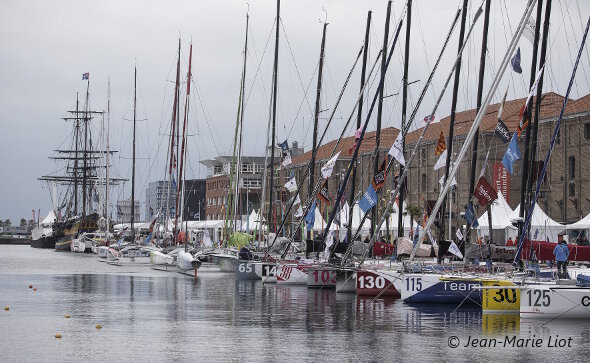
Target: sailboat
point(74, 214)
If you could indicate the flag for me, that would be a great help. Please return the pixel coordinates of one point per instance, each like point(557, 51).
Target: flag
point(529, 30)
point(459, 234)
point(432, 240)
point(379, 178)
point(484, 192)
point(85, 76)
point(299, 212)
point(524, 114)
point(154, 222)
point(441, 146)
point(147, 240)
point(324, 193)
point(397, 149)
point(455, 250)
point(430, 118)
point(442, 182)
point(357, 136)
point(469, 216)
point(291, 185)
point(310, 217)
point(357, 133)
point(287, 160)
point(284, 146)
point(442, 160)
point(329, 243)
point(515, 62)
point(329, 166)
point(512, 154)
point(369, 199)
point(502, 131)
point(296, 199)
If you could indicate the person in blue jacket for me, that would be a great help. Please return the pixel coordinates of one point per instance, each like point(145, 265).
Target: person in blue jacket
point(561, 253)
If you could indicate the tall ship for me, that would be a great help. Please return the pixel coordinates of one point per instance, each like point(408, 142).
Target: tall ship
point(80, 204)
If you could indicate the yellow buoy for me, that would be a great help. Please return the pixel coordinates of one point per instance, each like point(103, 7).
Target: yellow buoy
point(67, 316)
point(57, 335)
point(6, 308)
point(98, 326)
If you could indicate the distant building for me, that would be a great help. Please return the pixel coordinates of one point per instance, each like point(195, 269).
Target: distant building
point(124, 211)
point(158, 198)
point(218, 182)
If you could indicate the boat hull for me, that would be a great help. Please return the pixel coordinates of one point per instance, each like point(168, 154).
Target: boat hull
point(434, 288)
point(346, 281)
point(321, 278)
point(245, 270)
point(554, 302)
point(378, 283)
point(292, 274)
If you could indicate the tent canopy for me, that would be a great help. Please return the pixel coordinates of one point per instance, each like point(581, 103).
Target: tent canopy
point(501, 213)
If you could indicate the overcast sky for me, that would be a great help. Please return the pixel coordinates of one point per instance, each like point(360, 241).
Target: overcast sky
point(47, 45)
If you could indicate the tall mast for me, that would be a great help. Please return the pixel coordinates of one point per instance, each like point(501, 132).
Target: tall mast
point(76, 157)
point(525, 160)
point(482, 66)
point(85, 158)
point(242, 120)
point(400, 207)
point(106, 198)
point(316, 116)
point(180, 189)
point(380, 108)
point(538, 105)
point(358, 122)
point(453, 108)
point(133, 163)
point(172, 160)
point(274, 116)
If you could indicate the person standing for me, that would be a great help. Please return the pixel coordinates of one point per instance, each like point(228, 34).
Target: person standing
point(561, 253)
point(510, 242)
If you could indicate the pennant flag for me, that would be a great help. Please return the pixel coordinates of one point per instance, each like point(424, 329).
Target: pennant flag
point(442, 160)
point(357, 133)
point(470, 216)
point(299, 212)
point(369, 199)
point(310, 217)
point(329, 166)
point(329, 243)
point(297, 200)
point(432, 240)
point(430, 118)
point(324, 193)
point(515, 62)
point(484, 192)
point(529, 30)
point(379, 178)
point(441, 146)
point(512, 154)
point(455, 250)
point(459, 234)
point(284, 146)
point(85, 76)
point(287, 160)
point(397, 149)
point(502, 132)
point(442, 182)
point(291, 185)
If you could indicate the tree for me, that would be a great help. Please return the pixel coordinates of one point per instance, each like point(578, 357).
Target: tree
point(31, 223)
point(7, 223)
point(23, 222)
point(414, 213)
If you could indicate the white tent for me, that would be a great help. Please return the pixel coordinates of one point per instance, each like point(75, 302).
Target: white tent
point(502, 227)
point(319, 224)
point(253, 222)
point(357, 216)
point(48, 221)
point(543, 228)
point(583, 223)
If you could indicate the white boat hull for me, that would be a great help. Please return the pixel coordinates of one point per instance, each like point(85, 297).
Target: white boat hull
point(554, 302)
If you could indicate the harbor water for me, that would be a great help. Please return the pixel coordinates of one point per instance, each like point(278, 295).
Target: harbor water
point(152, 315)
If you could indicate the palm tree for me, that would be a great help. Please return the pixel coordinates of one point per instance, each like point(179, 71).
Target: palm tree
point(414, 212)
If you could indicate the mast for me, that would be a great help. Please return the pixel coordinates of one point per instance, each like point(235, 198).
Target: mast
point(482, 66)
point(358, 122)
point(527, 115)
point(400, 206)
point(133, 163)
point(180, 189)
point(316, 118)
point(452, 121)
point(172, 160)
point(106, 198)
point(538, 102)
point(76, 157)
point(242, 122)
point(84, 170)
point(380, 110)
point(274, 115)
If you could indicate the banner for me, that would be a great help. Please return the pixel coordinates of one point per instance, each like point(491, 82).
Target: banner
point(441, 145)
point(379, 178)
point(291, 185)
point(310, 217)
point(369, 199)
point(329, 167)
point(502, 132)
point(512, 154)
point(501, 180)
point(470, 216)
point(324, 193)
point(396, 150)
point(484, 192)
point(455, 250)
point(442, 160)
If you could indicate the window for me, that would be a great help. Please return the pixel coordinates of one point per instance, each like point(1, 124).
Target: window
point(572, 190)
point(423, 157)
point(587, 131)
point(423, 183)
point(572, 167)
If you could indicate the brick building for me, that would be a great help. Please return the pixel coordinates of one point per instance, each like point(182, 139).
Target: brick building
point(565, 192)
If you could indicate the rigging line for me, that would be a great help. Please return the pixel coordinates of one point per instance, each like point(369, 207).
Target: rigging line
point(507, 27)
point(301, 103)
point(259, 63)
point(573, 32)
point(204, 109)
point(295, 64)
